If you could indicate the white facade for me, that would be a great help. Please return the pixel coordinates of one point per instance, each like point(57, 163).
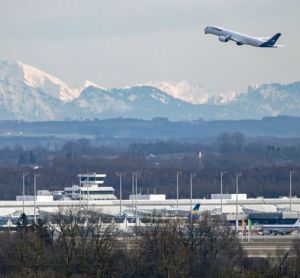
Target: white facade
point(150, 197)
point(228, 196)
point(41, 196)
point(90, 188)
point(113, 206)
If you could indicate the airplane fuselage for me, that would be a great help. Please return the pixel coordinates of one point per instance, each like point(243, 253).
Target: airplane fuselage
point(226, 35)
point(279, 229)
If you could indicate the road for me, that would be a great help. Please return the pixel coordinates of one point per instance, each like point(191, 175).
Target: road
point(268, 245)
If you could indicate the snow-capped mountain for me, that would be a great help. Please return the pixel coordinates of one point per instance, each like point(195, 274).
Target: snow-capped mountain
point(37, 79)
point(19, 100)
point(192, 92)
point(29, 94)
point(267, 100)
point(139, 102)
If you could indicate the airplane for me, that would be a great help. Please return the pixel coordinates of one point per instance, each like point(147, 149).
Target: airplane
point(280, 229)
point(168, 212)
point(241, 39)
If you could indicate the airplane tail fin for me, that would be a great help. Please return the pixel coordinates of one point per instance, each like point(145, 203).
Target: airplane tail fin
point(297, 223)
point(196, 213)
point(271, 42)
point(196, 207)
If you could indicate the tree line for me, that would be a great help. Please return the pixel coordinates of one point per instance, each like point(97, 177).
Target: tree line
point(76, 244)
point(60, 172)
point(265, 166)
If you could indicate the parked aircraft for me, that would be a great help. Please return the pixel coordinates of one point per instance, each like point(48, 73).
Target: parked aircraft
point(241, 39)
point(167, 212)
point(280, 229)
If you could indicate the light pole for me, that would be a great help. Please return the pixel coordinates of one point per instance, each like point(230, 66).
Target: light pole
point(222, 174)
point(134, 193)
point(88, 192)
point(132, 189)
point(34, 189)
point(120, 174)
point(177, 188)
point(291, 174)
point(191, 197)
point(80, 187)
point(237, 201)
point(23, 190)
point(136, 205)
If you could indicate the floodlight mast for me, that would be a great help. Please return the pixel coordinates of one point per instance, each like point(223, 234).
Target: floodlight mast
point(34, 189)
point(191, 197)
point(23, 189)
point(291, 176)
point(120, 174)
point(177, 188)
point(237, 202)
point(222, 174)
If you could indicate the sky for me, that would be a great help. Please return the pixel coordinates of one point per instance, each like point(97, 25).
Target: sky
point(120, 43)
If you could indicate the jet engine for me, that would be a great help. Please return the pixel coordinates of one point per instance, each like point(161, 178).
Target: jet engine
point(223, 39)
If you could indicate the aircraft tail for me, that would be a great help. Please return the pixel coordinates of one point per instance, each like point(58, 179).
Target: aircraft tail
point(196, 207)
point(271, 42)
point(196, 212)
point(297, 223)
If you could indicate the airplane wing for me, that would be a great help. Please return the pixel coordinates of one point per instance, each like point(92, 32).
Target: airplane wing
point(235, 39)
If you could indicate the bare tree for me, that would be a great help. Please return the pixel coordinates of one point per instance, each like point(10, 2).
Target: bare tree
point(213, 248)
point(65, 243)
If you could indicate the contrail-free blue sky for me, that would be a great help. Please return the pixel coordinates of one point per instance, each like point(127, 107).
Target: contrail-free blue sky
point(125, 42)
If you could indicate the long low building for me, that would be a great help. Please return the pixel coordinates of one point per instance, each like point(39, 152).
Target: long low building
point(91, 193)
point(229, 206)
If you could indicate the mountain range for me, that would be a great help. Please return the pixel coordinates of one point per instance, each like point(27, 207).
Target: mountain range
point(29, 94)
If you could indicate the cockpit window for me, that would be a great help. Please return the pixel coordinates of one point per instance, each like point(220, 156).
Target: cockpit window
point(217, 29)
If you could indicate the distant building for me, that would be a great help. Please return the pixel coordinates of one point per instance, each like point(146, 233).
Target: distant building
point(229, 196)
point(90, 187)
point(41, 196)
point(150, 197)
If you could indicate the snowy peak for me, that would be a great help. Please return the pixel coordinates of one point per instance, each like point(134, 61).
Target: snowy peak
point(37, 79)
point(267, 100)
point(49, 84)
point(10, 71)
point(89, 83)
point(193, 93)
point(187, 91)
point(30, 94)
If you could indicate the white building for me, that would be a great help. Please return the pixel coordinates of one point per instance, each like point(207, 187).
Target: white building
point(228, 196)
point(90, 188)
point(150, 197)
point(41, 196)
